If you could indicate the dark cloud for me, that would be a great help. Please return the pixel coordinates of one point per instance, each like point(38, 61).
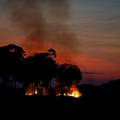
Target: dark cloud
point(29, 16)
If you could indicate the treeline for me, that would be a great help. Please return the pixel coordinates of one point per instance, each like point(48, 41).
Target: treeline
point(39, 69)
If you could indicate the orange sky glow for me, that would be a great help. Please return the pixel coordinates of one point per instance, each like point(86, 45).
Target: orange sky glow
point(82, 33)
point(102, 69)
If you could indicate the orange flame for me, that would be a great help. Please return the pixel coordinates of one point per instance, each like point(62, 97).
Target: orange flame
point(31, 90)
point(72, 92)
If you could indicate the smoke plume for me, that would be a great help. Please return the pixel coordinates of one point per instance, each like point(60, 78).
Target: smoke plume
point(43, 22)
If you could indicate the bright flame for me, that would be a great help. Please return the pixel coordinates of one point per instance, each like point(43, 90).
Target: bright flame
point(76, 94)
point(31, 90)
point(36, 92)
point(73, 92)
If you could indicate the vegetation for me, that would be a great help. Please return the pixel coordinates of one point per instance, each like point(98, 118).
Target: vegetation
point(37, 70)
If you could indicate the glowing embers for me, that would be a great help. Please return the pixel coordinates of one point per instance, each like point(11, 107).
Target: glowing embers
point(36, 92)
point(32, 90)
point(71, 91)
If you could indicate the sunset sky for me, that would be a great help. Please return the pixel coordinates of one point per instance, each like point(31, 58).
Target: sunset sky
point(83, 32)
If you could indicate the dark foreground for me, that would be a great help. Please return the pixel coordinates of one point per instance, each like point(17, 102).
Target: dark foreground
point(96, 101)
point(61, 106)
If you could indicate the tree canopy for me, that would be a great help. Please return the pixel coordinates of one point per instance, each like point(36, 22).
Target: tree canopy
point(33, 69)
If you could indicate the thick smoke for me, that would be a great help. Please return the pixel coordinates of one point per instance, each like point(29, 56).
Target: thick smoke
point(42, 21)
point(28, 17)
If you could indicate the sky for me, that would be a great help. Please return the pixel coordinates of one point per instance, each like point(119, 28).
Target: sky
point(83, 32)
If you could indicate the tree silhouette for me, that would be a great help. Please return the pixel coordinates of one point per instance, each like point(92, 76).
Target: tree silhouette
point(68, 74)
point(33, 69)
point(40, 67)
point(11, 58)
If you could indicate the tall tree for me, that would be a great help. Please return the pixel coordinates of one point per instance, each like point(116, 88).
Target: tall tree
point(41, 66)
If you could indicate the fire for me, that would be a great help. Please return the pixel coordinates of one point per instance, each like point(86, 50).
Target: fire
point(36, 92)
point(76, 94)
point(73, 92)
point(58, 94)
point(31, 92)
